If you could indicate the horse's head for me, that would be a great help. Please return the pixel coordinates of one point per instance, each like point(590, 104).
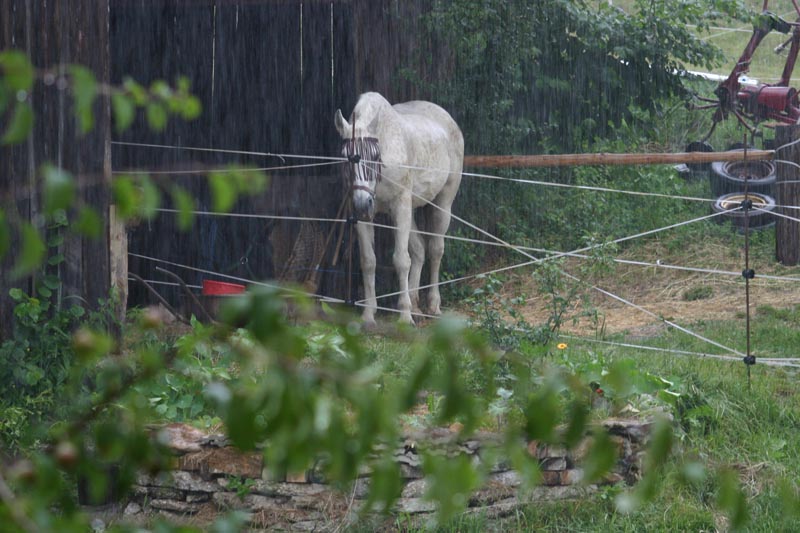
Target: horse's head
point(363, 167)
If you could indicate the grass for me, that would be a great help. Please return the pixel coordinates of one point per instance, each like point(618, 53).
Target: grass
point(724, 419)
point(732, 37)
point(749, 427)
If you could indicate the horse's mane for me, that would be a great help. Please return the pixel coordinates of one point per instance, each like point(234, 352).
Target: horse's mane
point(366, 113)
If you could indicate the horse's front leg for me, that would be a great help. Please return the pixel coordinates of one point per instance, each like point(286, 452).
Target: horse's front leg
point(416, 249)
point(402, 259)
point(366, 239)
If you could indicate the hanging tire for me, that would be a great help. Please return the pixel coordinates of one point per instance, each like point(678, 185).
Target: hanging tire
point(698, 169)
point(729, 176)
point(760, 216)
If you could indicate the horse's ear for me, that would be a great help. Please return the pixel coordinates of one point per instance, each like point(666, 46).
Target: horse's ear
point(342, 125)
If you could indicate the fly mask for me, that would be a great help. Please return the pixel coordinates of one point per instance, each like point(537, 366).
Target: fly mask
point(364, 172)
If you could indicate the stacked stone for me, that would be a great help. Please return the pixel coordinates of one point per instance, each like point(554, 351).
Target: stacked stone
point(211, 477)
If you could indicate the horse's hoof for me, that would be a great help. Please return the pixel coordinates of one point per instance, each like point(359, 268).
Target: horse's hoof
point(407, 320)
point(369, 325)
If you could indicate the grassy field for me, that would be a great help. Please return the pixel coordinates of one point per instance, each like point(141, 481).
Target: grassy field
point(732, 37)
point(725, 421)
point(746, 426)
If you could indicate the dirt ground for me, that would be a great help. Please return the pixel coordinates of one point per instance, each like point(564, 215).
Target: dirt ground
point(678, 296)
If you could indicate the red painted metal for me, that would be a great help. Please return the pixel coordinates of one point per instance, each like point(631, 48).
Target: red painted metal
point(219, 288)
point(753, 104)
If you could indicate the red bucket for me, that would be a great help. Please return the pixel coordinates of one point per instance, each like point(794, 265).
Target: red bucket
point(217, 288)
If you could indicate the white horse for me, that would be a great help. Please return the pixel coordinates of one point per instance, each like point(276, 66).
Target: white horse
point(402, 157)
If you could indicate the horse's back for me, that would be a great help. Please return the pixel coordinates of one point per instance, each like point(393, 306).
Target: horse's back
point(420, 111)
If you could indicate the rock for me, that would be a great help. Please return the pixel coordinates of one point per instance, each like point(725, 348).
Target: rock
point(410, 459)
point(497, 510)
point(551, 478)
point(560, 492)
point(223, 461)
point(187, 481)
point(553, 463)
point(410, 472)
point(571, 477)
point(414, 506)
point(297, 477)
point(131, 509)
point(491, 493)
point(289, 490)
point(541, 450)
point(414, 489)
point(509, 478)
point(251, 502)
point(174, 506)
point(163, 493)
point(636, 430)
point(198, 497)
point(360, 490)
point(181, 438)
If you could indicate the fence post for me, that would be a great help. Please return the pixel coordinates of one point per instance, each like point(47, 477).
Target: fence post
point(787, 193)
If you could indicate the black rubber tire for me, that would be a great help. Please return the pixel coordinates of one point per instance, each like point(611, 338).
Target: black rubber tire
point(728, 177)
point(699, 146)
point(760, 218)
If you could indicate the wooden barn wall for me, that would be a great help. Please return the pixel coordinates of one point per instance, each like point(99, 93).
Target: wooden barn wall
point(270, 75)
point(53, 33)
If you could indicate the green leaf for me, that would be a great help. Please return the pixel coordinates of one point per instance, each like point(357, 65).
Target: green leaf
point(452, 480)
point(161, 89)
point(601, 457)
point(31, 254)
point(16, 294)
point(55, 260)
point(124, 110)
point(89, 223)
point(191, 108)
point(136, 91)
point(576, 426)
point(125, 195)
point(18, 70)
point(151, 198)
point(732, 500)
point(185, 205)
point(59, 188)
point(223, 191)
point(541, 415)
point(51, 282)
point(20, 125)
point(156, 116)
point(84, 90)
point(55, 240)
point(385, 486)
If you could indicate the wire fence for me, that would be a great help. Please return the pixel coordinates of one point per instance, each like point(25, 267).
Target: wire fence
point(493, 240)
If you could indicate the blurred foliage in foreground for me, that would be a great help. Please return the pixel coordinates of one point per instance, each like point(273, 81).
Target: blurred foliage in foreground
point(299, 393)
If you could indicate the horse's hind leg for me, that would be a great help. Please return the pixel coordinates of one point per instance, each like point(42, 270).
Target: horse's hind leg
point(439, 216)
point(416, 248)
point(402, 260)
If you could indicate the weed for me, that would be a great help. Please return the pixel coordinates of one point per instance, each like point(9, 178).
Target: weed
point(702, 292)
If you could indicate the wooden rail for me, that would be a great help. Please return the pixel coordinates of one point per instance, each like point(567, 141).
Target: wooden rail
point(562, 160)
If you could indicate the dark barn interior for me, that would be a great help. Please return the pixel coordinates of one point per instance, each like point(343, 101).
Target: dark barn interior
point(270, 75)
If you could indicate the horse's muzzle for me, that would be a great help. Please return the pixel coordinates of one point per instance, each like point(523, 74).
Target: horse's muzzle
point(363, 205)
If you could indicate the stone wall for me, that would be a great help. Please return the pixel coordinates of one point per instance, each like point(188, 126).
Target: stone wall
point(212, 477)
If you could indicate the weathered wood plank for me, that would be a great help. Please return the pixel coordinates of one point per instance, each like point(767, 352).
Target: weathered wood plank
point(562, 160)
point(787, 187)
